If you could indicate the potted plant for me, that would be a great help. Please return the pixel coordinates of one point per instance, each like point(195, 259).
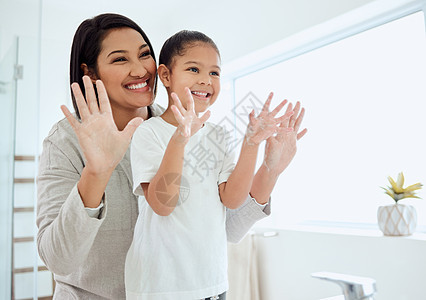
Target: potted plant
point(398, 219)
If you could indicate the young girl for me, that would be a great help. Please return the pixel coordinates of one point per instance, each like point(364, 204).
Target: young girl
point(185, 169)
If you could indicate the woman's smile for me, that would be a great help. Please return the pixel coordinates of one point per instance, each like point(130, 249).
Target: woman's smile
point(138, 86)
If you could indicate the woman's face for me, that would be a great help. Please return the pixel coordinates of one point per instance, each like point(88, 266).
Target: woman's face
point(127, 69)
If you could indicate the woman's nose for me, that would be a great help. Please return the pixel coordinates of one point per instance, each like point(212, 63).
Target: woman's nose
point(138, 69)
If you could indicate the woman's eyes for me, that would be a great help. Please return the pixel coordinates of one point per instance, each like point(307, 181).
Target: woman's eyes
point(146, 53)
point(119, 59)
point(122, 59)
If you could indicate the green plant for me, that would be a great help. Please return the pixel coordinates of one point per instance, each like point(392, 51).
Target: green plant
point(398, 192)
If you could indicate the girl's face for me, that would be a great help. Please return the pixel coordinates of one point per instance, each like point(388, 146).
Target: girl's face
point(198, 69)
point(127, 69)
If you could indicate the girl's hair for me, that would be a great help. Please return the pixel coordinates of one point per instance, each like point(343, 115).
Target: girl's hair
point(178, 43)
point(87, 45)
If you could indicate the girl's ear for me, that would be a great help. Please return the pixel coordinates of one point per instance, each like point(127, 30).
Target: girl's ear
point(87, 71)
point(164, 75)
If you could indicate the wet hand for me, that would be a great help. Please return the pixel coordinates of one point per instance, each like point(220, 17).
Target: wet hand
point(265, 125)
point(103, 145)
point(188, 120)
point(281, 148)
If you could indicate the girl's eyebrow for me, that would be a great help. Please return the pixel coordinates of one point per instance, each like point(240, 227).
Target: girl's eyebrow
point(125, 51)
point(197, 63)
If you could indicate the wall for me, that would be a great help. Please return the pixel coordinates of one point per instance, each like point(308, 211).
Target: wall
point(17, 21)
point(238, 27)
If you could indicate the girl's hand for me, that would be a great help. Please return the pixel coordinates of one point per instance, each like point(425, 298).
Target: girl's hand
point(281, 148)
point(265, 125)
point(102, 143)
point(189, 122)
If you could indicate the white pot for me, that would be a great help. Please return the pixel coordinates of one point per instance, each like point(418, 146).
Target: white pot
point(397, 219)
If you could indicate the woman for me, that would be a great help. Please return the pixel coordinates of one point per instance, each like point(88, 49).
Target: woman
point(86, 208)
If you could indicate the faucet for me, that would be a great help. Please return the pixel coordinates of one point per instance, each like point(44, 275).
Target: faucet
point(354, 287)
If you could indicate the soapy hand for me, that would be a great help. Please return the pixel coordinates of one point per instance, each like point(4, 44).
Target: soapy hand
point(265, 125)
point(281, 148)
point(102, 143)
point(189, 122)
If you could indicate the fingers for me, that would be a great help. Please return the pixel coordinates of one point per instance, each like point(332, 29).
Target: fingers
point(177, 114)
point(267, 103)
point(190, 101)
point(129, 130)
point(302, 133)
point(178, 103)
point(289, 111)
point(79, 99)
point(181, 120)
point(90, 95)
point(278, 108)
point(73, 122)
point(291, 120)
point(252, 118)
point(205, 117)
point(284, 117)
point(104, 104)
point(295, 115)
point(299, 120)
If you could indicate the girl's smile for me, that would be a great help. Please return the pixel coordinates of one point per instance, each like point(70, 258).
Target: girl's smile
point(201, 95)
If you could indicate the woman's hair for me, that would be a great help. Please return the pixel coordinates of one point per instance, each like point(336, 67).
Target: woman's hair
point(87, 45)
point(178, 43)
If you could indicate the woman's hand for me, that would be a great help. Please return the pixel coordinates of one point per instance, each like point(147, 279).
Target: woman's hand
point(265, 125)
point(281, 148)
point(189, 122)
point(103, 145)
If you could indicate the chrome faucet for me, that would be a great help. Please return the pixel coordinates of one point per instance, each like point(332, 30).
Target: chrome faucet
point(354, 287)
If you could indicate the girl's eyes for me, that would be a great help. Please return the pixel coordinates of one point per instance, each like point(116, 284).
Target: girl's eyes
point(193, 69)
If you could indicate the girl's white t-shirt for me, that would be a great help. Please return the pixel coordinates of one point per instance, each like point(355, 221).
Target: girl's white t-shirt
point(183, 255)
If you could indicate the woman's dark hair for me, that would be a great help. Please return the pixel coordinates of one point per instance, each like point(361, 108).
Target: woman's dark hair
point(87, 44)
point(178, 43)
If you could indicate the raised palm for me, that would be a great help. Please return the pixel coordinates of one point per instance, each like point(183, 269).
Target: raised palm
point(103, 145)
point(188, 120)
point(281, 148)
point(265, 125)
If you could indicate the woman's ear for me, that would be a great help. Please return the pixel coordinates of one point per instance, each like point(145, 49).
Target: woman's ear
point(87, 71)
point(164, 75)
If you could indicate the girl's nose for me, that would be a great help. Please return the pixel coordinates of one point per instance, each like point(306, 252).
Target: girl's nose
point(205, 79)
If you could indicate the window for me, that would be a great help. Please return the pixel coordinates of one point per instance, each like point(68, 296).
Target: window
point(365, 97)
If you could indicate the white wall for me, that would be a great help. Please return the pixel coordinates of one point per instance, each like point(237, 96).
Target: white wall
point(287, 260)
point(238, 27)
point(17, 18)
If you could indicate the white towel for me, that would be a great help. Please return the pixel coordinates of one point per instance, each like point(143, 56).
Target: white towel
point(242, 270)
